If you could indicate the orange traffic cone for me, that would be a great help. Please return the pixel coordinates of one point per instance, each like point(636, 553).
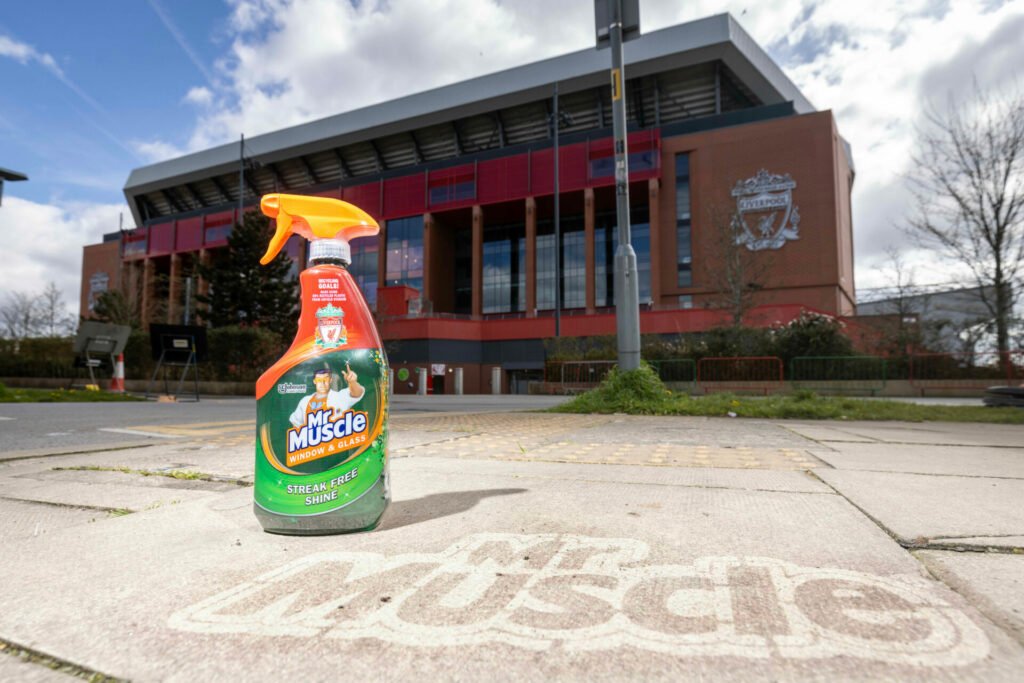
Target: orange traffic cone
point(117, 380)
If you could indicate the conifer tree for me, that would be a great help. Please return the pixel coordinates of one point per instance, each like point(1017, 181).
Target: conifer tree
point(242, 292)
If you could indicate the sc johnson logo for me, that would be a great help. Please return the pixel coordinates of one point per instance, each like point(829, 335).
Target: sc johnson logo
point(591, 594)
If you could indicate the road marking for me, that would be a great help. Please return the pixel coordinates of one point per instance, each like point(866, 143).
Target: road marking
point(7, 418)
point(204, 430)
point(136, 432)
point(583, 594)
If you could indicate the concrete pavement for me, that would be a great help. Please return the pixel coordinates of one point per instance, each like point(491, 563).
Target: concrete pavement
point(529, 546)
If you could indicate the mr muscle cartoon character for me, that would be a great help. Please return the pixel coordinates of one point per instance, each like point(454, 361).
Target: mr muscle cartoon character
point(325, 397)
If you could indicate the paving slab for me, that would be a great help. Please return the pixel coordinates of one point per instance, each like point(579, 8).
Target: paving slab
point(973, 461)
point(915, 506)
point(992, 581)
point(939, 433)
point(24, 520)
point(99, 496)
point(14, 668)
point(511, 571)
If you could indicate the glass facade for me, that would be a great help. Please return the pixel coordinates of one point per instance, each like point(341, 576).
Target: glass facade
point(574, 263)
point(405, 252)
point(364, 266)
point(606, 241)
point(504, 269)
point(684, 251)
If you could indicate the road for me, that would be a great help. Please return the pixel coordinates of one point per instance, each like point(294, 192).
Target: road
point(52, 428)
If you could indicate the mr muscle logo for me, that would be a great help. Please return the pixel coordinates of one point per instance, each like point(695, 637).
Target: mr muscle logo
point(326, 433)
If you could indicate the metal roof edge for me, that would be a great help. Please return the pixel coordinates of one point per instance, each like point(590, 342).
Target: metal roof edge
point(582, 65)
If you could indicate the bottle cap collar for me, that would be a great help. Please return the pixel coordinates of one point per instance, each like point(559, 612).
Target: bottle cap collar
point(330, 249)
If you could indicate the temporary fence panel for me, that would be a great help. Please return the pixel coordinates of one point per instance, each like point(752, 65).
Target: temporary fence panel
point(676, 371)
point(969, 371)
point(740, 373)
point(577, 372)
point(839, 374)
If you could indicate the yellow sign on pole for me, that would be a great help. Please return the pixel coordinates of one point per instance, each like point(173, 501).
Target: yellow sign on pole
point(616, 85)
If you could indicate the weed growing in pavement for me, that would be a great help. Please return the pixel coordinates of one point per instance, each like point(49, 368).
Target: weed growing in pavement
point(189, 475)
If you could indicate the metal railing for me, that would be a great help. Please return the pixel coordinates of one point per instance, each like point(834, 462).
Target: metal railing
point(838, 374)
point(826, 374)
point(740, 373)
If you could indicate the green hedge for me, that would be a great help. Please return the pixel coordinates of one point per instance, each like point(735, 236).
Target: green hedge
point(810, 334)
point(236, 354)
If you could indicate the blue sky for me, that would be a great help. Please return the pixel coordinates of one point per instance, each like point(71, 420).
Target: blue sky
point(124, 78)
point(91, 90)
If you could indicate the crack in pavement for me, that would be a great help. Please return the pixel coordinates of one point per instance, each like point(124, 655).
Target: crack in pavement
point(53, 663)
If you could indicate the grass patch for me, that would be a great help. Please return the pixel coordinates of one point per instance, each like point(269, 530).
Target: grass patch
point(9, 395)
point(640, 392)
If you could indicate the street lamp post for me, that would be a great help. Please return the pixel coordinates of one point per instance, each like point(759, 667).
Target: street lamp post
point(558, 226)
point(627, 295)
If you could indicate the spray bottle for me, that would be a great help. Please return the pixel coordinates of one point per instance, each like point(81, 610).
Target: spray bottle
point(322, 409)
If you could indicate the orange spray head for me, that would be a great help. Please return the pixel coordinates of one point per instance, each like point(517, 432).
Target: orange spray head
point(314, 218)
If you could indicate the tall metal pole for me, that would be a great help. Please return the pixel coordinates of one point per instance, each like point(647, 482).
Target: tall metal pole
point(188, 300)
point(627, 295)
point(558, 231)
point(241, 176)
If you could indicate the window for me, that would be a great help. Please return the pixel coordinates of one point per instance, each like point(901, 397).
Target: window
point(364, 267)
point(606, 241)
point(452, 186)
point(574, 263)
point(643, 156)
point(684, 254)
point(405, 252)
point(136, 242)
point(504, 271)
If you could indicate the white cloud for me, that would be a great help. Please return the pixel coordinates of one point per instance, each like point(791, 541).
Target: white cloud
point(24, 53)
point(200, 96)
point(43, 243)
point(156, 150)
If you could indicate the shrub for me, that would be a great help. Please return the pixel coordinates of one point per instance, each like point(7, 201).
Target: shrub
point(240, 353)
point(635, 391)
point(811, 334)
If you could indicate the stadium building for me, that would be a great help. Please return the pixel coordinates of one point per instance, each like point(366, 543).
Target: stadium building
point(462, 181)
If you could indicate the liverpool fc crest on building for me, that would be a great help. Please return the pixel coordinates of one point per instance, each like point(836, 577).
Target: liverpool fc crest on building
point(330, 327)
point(765, 211)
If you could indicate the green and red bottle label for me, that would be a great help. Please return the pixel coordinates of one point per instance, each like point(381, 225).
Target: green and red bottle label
point(321, 412)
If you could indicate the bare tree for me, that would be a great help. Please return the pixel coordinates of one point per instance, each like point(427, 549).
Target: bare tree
point(734, 273)
point(968, 183)
point(20, 315)
point(54, 318)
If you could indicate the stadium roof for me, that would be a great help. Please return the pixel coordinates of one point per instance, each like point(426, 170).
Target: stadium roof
point(496, 110)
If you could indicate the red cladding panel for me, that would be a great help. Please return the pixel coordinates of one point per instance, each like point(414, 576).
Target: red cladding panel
point(503, 179)
point(217, 227)
point(190, 234)
point(161, 239)
point(404, 196)
point(366, 197)
point(572, 167)
point(542, 172)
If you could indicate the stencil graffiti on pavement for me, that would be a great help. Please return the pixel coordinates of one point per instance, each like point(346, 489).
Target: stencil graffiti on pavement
point(590, 594)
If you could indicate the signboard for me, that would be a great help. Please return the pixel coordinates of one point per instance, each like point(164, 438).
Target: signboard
point(603, 18)
point(175, 343)
point(437, 368)
point(101, 338)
